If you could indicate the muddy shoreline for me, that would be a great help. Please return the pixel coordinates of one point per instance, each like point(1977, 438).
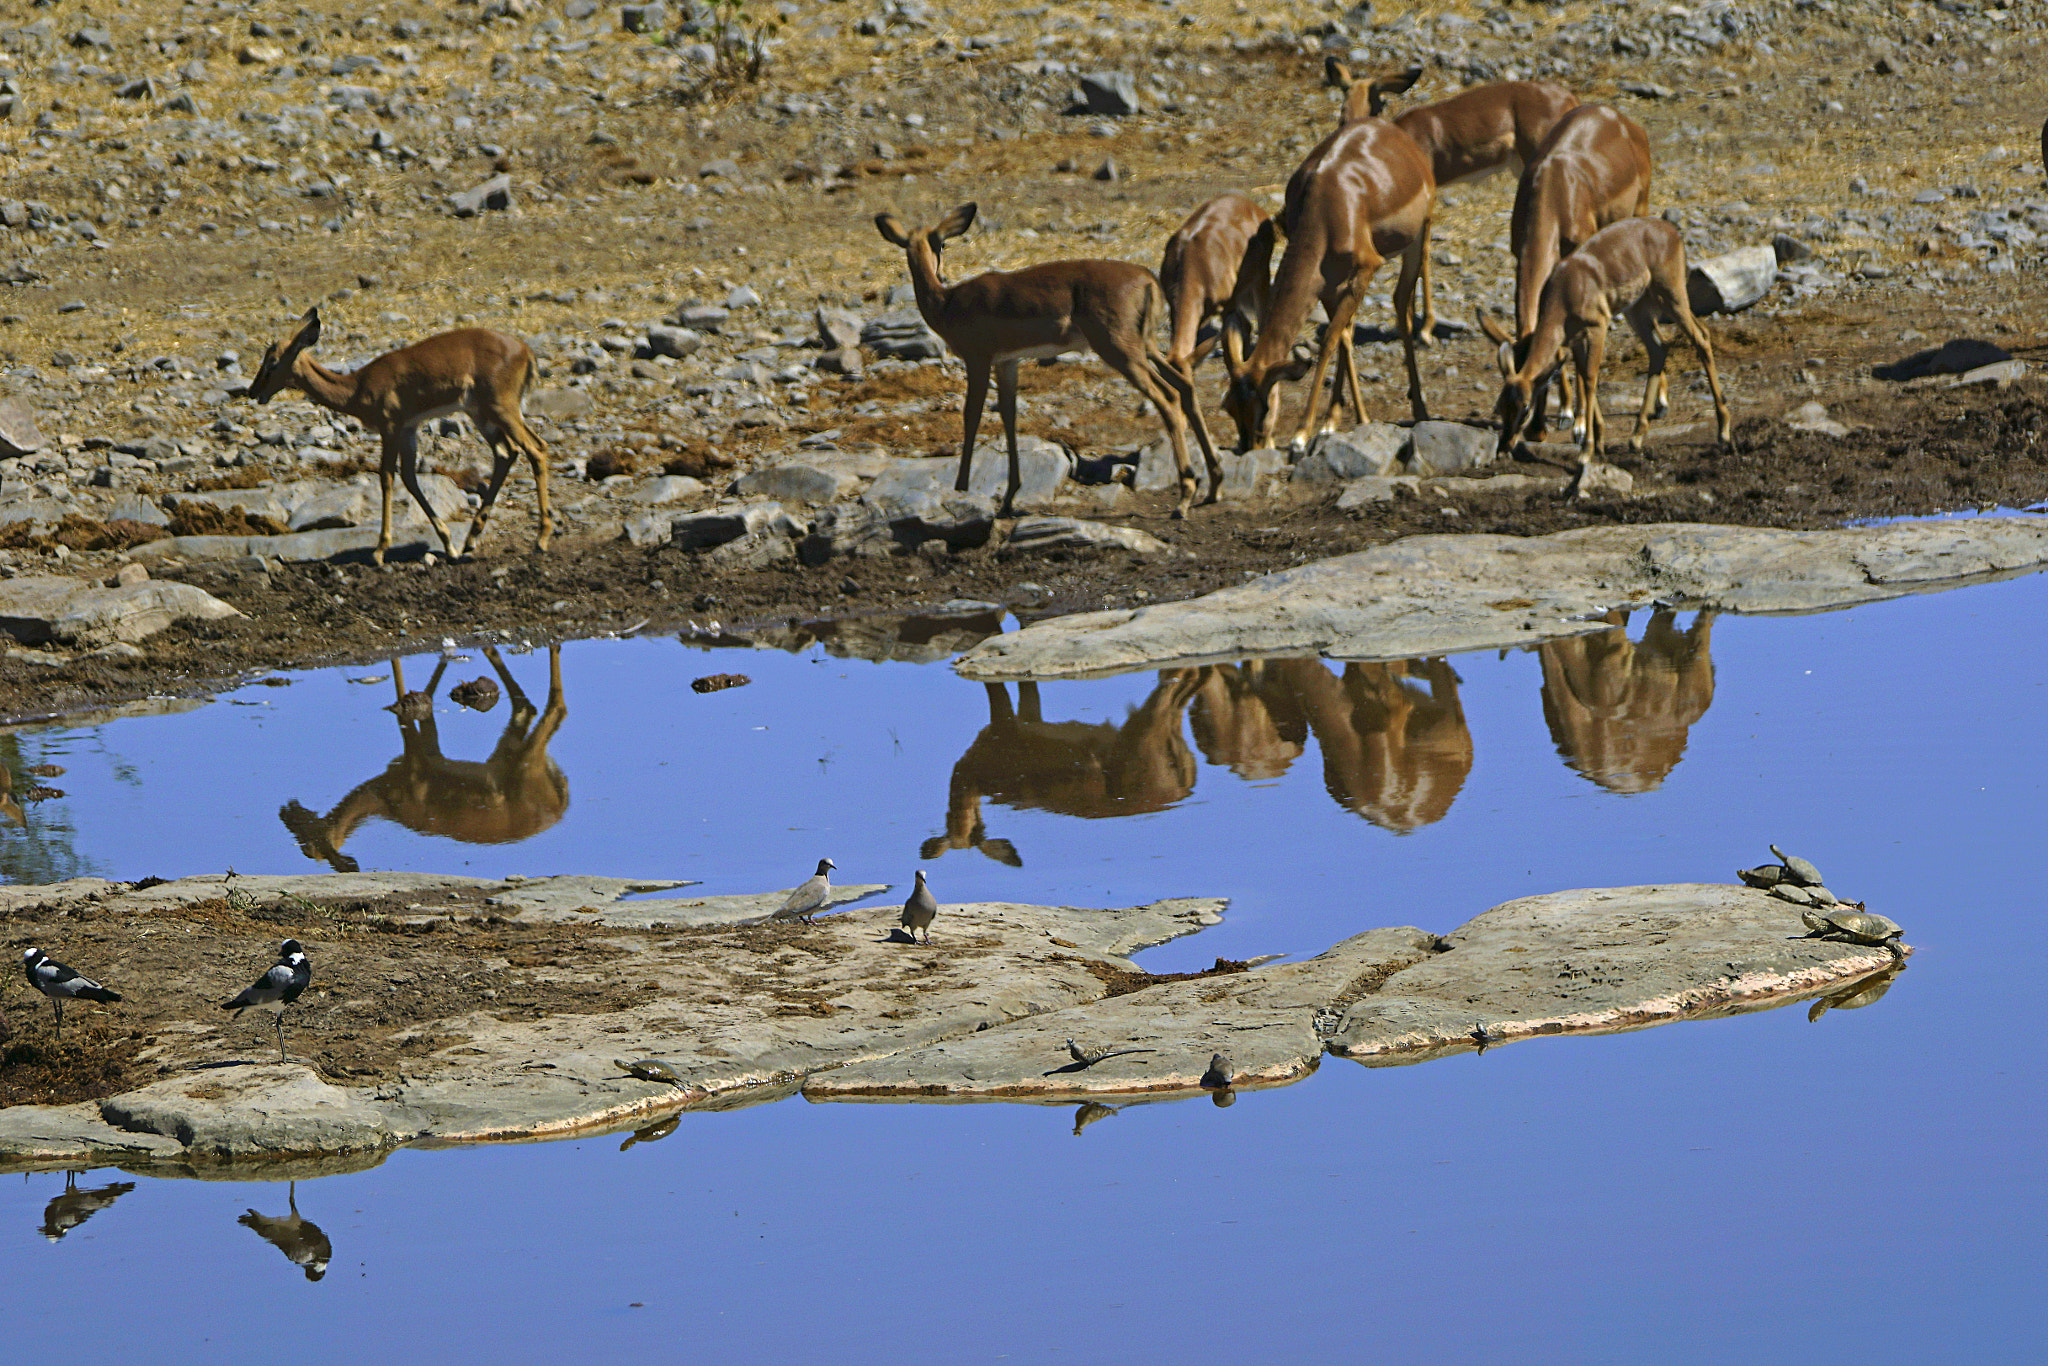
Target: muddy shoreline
point(1946, 450)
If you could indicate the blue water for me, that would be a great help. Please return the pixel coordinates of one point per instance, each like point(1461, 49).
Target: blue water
point(1863, 1188)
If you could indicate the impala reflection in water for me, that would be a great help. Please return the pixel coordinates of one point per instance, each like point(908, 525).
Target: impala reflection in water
point(1620, 711)
point(513, 795)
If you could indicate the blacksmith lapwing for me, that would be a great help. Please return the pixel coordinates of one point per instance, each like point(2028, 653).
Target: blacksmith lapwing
point(61, 984)
point(296, 1237)
point(277, 988)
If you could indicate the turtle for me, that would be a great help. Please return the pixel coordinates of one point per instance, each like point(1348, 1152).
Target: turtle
point(1768, 876)
point(1853, 927)
point(1792, 892)
point(1798, 869)
point(1858, 993)
point(648, 1069)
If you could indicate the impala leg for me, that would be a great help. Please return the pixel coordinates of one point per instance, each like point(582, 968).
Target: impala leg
point(387, 466)
point(1357, 395)
point(977, 396)
point(1342, 309)
point(1414, 261)
point(408, 470)
point(1589, 349)
point(1423, 329)
point(1642, 317)
point(1147, 377)
point(1182, 382)
point(1697, 335)
point(1006, 407)
point(537, 456)
point(503, 457)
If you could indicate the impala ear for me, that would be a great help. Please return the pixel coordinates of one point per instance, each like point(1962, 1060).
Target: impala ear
point(1336, 74)
point(1235, 329)
point(309, 330)
point(956, 222)
point(886, 224)
point(1491, 326)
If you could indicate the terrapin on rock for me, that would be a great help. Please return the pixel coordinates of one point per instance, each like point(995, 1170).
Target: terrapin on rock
point(1770, 875)
point(1792, 892)
point(1853, 927)
point(648, 1069)
point(1798, 869)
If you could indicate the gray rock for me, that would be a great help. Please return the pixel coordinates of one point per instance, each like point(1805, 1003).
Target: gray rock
point(1732, 282)
point(267, 1111)
point(742, 296)
point(1432, 595)
point(1789, 250)
point(647, 18)
point(1360, 493)
point(359, 503)
point(44, 512)
point(669, 488)
point(902, 335)
point(1813, 417)
point(298, 547)
point(1594, 962)
point(1449, 447)
point(1950, 358)
point(1999, 373)
point(36, 610)
point(1070, 533)
point(558, 403)
point(1113, 93)
point(1255, 474)
point(259, 502)
point(133, 507)
point(839, 329)
point(702, 317)
point(822, 478)
point(844, 361)
point(702, 530)
point(679, 342)
point(1602, 480)
point(19, 434)
point(1362, 452)
point(494, 194)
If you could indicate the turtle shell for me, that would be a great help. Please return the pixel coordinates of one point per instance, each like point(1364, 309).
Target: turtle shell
point(1792, 892)
point(1798, 869)
point(1865, 927)
point(1770, 875)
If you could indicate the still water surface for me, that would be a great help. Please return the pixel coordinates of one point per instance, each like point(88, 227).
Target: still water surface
point(1868, 1187)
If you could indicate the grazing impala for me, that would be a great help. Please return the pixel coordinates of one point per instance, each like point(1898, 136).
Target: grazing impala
point(1365, 193)
point(998, 319)
point(1636, 267)
point(1221, 258)
point(472, 371)
point(1471, 135)
point(1593, 169)
point(1619, 711)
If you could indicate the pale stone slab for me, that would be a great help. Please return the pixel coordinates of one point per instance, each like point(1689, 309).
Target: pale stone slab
point(36, 609)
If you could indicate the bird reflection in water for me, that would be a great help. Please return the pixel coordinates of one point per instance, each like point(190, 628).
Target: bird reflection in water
point(1089, 1112)
point(67, 1211)
point(1620, 711)
point(1857, 994)
point(1395, 746)
point(298, 1238)
point(1075, 768)
point(514, 795)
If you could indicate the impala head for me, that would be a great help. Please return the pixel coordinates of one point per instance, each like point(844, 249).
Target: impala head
point(1366, 99)
point(1249, 398)
point(952, 225)
point(274, 375)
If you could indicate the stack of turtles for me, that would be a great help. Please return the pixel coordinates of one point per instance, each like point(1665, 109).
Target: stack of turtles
point(1826, 916)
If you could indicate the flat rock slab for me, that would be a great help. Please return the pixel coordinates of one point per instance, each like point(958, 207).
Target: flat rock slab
point(1434, 595)
point(293, 548)
point(1593, 962)
point(36, 609)
point(1265, 1021)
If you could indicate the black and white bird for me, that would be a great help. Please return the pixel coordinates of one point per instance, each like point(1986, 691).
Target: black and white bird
point(920, 910)
point(62, 984)
point(277, 988)
point(810, 896)
point(298, 1238)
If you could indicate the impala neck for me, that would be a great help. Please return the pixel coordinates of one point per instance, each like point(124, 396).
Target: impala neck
point(325, 387)
point(924, 278)
point(1293, 294)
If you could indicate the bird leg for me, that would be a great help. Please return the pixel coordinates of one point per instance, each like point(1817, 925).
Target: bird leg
point(57, 1004)
point(280, 1037)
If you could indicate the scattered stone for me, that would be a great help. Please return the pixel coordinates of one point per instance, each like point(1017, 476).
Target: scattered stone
point(839, 329)
point(679, 342)
point(38, 609)
point(1360, 493)
point(1598, 479)
point(902, 335)
point(844, 361)
point(1113, 93)
point(645, 18)
point(1069, 533)
point(1108, 170)
point(19, 434)
point(669, 488)
point(1731, 282)
point(1448, 447)
point(1950, 358)
point(1813, 417)
point(2000, 373)
point(493, 195)
point(130, 574)
point(1360, 452)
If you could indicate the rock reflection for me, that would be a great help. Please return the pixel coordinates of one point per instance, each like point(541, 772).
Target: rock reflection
point(298, 1238)
point(1857, 994)
point(67, 1211)
point(514, 795)
point(1620, 711)
point(1075, 768)
point(924, 638)
point(1395, 746)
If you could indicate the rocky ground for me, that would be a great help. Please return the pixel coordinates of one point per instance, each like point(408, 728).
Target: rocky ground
point(691, 255)
point(456, 1009)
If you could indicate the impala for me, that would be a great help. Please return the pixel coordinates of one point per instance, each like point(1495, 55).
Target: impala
point(1220, 258)
point(999, 319)
point(1635, 267)
point(1364, 193)
point(1471, 135)
point(473, 371)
